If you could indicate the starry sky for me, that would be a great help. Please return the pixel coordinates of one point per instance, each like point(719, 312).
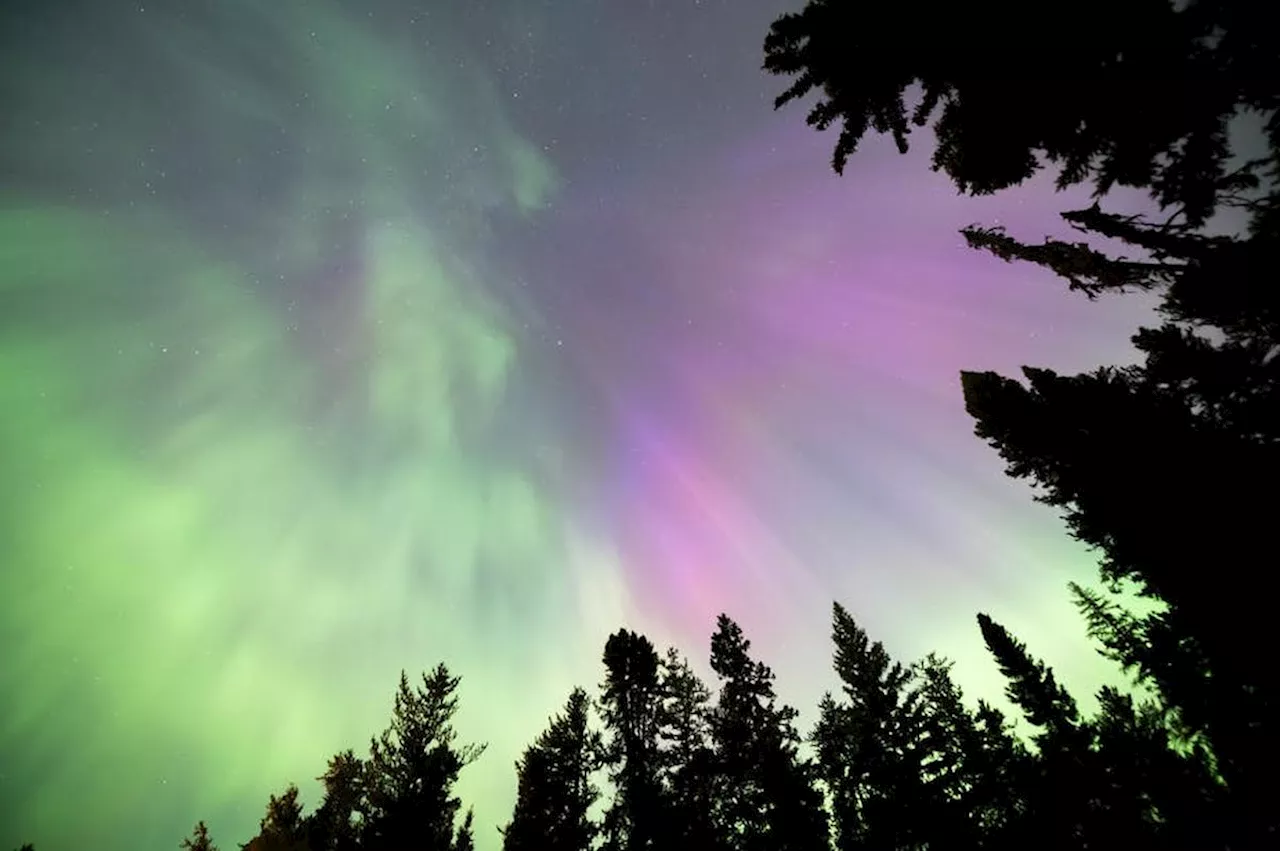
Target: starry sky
point(342, 337)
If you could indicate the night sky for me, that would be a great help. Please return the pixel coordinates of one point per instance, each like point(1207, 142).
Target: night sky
point(338, 338)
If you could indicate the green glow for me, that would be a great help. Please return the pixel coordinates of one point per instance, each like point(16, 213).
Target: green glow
point(213, 511)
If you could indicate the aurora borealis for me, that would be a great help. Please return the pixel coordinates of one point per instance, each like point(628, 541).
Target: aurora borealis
point(338, 338)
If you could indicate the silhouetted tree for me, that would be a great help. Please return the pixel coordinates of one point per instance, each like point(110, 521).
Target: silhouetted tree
point(630, 703)
point(554, 791)
point(1158, 466)
point(1114, 780)
point(465, 839)
point(861, 741)
point(1173, 792)
point(905, 763)
point(199, 839)
point(1130, 93)
point(412, 767)
point(767, 796)
point(1061, 791)
point(688, 761)
point(997, 765)
point(336, 823)
point(283, 828)
point(970, 764)
point(1159, 510)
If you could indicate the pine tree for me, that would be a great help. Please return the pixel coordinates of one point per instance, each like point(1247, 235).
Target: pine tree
point(1158, 466)
point(1159, 510)
point(688, 761)
point(1128, 93)
point(1065, 778)
point(283, 828)
point(997, 768)
point(630, 704)
point(554, 792)
point(1115, 779)
point(336, 823)
point(967, 796)
point(1171, 793)
point(767, 794)
point(412, 768)
point(464, 840)
point(905, 763)
point(861, 741)
point(198, 840)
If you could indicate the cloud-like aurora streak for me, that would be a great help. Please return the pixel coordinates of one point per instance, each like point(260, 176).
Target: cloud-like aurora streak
point(251, 378)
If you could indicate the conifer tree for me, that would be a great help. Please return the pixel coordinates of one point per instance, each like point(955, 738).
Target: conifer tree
point(199, 839)
point(861, 741)
point(630, 705)
point(412, 768)
point(688, 761)
point(1127, 93)
point(767, 797)
point(464, 840)
point(1157, 466)
point(966, 796)
point(554, 791)
point(336, 823)
point(905, 763)
point(1114, 779)
point(1064, 777)
point(1171, 793)
point(283, 828)
point(997, 768)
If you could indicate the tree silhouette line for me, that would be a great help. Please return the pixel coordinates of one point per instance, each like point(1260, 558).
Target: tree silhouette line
point(658, 760)
point(1166, 469)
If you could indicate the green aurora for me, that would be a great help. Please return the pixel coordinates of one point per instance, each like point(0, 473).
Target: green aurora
point(196, 434)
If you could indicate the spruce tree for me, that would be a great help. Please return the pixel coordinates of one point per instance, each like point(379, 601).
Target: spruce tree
point(1064, 778)
point(554, 791)
point(283, 828)
point(199, 839)
point(1115, 779)
point(464, 839)
point(767, 798)
point(967, 791)
point(412, 768)
point(1115, 93)
point(1161, 467)
point(688, 761)
point(857, 738)
point(905, 763)
point(630, 705)
point(337, 822)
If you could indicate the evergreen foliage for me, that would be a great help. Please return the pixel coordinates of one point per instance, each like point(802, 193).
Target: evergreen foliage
point(412, 766)
point(689, 771)
point(554, 786)
point(199, 839)
point(767, 799)
point(901, 761)
point(1162, 467)
point(630, 704)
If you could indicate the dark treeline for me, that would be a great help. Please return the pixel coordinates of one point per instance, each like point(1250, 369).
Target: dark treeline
point(658, 760)
point(1166, 469)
